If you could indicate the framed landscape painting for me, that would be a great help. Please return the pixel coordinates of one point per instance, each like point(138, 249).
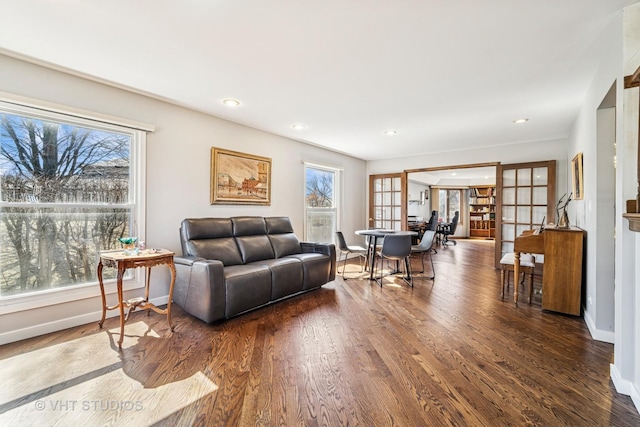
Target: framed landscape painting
point(240, 178)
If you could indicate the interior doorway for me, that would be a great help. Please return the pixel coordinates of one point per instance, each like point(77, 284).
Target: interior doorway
point(439, 184)
point(599, 299)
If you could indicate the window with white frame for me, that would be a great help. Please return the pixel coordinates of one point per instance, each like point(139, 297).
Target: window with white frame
point(69, 188)
point(321, 203)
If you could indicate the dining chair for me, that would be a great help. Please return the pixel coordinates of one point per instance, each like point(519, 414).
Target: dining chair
point(396, 248)
point(433, 221)
point(426, 247)
point(346, 249)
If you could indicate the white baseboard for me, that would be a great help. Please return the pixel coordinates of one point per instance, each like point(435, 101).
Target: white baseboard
point(597, 334)
point(66, 323)
point(624, 386)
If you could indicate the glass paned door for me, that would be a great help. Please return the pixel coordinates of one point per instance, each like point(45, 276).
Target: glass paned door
point(526, 194)
point(387, 204)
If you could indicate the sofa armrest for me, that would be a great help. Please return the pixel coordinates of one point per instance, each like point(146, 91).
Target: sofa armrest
point(186, 260)
point(200, 287)
point(328, 249)
point(321, 248)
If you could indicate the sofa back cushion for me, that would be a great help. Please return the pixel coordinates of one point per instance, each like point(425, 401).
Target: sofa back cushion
point(283, 239)
point(251, 236)
point(210, 238)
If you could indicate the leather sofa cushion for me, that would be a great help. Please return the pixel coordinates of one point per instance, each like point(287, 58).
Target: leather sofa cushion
point(255, 248)
point(247, 287)
point(210, 238)
point(285, 244)
point(286, 276)
point(223, 249)
point(249, 226)
point(283, 239)
point(278, 225)
point(251, 236)
point(316, 269)
point(206, 228)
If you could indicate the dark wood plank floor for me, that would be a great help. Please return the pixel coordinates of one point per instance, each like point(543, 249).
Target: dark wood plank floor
point(446, 352)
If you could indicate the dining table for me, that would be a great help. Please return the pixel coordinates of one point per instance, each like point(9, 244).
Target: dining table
point(379, 233)
point(440, 230)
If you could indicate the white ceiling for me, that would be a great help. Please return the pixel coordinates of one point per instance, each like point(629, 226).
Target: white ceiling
point(458, 177)
point(447, 75)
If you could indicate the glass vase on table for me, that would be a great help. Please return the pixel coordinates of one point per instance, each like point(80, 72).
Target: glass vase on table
point(129, 245)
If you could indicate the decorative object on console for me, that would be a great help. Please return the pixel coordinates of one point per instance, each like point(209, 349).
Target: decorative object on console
point(129, 245)
point(563, 220)
point(239, 178)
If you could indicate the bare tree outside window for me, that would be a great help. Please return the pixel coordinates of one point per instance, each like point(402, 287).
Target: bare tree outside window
point(64, 196)
point(449, 203)
point(320, 204)
point(319, 188)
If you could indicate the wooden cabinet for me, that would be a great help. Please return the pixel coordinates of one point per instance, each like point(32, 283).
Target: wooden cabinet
point(562, 271)
point(482, 212)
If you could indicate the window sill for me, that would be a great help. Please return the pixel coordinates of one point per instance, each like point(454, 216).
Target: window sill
point(18, 303)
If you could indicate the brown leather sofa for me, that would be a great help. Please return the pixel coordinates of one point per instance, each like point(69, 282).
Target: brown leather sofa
point(232, 265)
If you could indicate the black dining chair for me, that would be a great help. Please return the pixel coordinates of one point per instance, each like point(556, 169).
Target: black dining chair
point(346, 249)
point(433, 221)
point(396, 248)
point(426, 247)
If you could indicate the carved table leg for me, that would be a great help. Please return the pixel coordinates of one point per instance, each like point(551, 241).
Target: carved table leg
point(121, 271)
point(104, 298)
point(172, 267)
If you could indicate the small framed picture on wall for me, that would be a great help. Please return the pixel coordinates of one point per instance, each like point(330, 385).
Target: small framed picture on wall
point(577, 177)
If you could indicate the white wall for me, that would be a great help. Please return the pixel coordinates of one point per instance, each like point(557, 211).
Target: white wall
point(591, 213)
point(422, 211)
point(178, 168)
point(625, 370)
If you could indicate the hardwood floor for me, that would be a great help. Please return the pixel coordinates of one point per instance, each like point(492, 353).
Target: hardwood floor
point(445, 352)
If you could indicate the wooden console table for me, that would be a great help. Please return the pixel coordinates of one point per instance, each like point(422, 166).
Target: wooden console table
point(122, 262)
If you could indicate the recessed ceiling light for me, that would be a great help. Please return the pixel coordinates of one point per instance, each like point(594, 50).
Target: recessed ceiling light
point(299, 126)
point(453, 174)
point(390, 132)
point(521, 120)
point(229, 102)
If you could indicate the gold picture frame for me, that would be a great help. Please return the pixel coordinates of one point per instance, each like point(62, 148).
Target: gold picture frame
point(239, 178)
point(577, 177)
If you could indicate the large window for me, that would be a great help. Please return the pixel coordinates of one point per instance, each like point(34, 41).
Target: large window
point(321, 207)
point(67, 190)
point(449, 203)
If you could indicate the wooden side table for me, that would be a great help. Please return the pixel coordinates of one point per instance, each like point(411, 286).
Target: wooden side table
point(122, 262)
